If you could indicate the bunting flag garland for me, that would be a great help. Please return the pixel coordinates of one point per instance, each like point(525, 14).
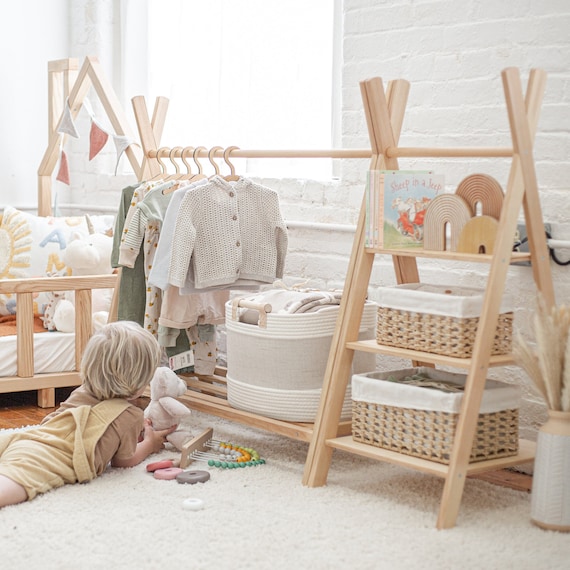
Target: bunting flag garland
point(63, 173)
point(97, 139)
point(67, 126)
point(122, 143)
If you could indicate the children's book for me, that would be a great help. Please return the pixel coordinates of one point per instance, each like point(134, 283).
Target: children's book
point(396, 205)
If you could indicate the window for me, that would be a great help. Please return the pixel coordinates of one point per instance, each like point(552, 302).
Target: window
point(257, 74)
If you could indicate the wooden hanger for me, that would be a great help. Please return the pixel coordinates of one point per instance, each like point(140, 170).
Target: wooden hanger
point(185, 152)
point(163, 170)
point(211, 153)
point(200, 174)
point(171, 154)
point(232, 175)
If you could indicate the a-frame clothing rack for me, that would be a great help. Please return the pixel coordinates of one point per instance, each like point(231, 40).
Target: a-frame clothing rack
point(384, 114)
point(208, 393)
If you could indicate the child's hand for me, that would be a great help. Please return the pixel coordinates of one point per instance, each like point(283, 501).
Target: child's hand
point(152, 442)
point(147, 422)
point(156, 439)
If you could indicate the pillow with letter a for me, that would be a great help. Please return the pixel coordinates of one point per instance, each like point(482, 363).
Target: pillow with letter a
point(32, 246)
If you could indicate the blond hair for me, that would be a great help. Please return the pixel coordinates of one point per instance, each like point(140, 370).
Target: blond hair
point(119, 360)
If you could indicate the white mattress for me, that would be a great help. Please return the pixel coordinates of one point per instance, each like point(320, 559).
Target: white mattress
point(53, 352)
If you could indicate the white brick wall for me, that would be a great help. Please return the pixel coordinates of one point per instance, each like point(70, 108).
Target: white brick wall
point(452, 52)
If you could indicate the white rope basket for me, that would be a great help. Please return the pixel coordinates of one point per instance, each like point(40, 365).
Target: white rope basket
point(277, 369)
point(287, 405)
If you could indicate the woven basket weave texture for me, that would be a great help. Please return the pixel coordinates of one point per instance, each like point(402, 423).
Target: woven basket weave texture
point(437, 334)
point(415, 411)
point(430, 435)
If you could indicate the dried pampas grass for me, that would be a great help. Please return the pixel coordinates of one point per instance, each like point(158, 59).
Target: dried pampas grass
point(548, 364)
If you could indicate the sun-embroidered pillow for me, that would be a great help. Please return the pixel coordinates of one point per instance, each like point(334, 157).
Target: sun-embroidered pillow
point(32, 246)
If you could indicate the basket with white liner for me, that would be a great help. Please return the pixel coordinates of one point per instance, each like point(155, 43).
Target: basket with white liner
point(276, 363)
point(437, 319)
point(415, 412)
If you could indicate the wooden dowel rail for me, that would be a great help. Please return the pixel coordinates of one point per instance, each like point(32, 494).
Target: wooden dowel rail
point(164, 152)
point(391, 152)
point(457, 152)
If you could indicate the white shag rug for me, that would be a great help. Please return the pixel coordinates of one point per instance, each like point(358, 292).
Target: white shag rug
point(370, 515)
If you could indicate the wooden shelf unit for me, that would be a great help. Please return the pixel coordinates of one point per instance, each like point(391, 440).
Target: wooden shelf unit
point(384, 113)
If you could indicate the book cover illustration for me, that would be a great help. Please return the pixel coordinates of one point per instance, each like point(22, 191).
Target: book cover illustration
point(406, 196)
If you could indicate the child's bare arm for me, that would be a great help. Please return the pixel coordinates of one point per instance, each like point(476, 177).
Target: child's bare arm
point(153, 441)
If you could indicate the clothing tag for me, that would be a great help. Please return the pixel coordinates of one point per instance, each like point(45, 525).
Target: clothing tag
point(181, 360)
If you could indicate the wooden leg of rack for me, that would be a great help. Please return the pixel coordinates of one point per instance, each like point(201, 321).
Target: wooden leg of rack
point(46, 398)
point(339, 362)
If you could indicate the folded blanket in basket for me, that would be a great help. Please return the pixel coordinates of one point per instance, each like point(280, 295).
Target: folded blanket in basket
point(285, 301)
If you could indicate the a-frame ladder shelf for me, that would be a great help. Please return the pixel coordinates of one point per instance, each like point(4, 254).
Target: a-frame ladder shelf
point(384, 111)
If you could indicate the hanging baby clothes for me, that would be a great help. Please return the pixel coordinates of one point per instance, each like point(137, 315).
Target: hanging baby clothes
point(226, 232)
point(132, 288)
point(197, 311)
point(181, 312)
point(167, 243)
point(140, 227)
point(159, 271)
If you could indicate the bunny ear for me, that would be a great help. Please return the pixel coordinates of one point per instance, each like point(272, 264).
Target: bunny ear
point(90, 227)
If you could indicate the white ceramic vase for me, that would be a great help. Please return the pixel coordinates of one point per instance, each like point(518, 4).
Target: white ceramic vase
point(550, 500)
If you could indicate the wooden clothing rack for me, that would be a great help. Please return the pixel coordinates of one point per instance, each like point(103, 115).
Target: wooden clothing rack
point(208, 393)
point(384, 114)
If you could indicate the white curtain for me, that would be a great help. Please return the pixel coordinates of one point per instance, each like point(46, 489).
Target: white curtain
point(253, 73)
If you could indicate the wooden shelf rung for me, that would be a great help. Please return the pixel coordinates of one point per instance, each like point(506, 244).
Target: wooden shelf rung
point(416, 355)
point(525, 454)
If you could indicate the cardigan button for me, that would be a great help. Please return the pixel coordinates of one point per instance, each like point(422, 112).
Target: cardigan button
point(234, 217)
point(232, 194)
point(238, 243)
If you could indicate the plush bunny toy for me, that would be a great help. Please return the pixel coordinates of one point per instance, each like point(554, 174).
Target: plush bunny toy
point(89, 255)
point(164, 410)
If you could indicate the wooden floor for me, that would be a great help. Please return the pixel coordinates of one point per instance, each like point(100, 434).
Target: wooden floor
point(20, 409)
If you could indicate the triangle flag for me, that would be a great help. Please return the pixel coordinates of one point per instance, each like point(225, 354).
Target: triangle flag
point(63, 173)
point(122, 143)
point(67, 126)
point(97, 140)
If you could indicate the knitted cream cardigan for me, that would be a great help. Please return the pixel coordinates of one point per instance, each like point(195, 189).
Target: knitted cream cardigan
point(225, 232)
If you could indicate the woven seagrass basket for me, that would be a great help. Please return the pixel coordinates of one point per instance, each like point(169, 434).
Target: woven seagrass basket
point(437, 334)
point(437, 320)
point(429, 433)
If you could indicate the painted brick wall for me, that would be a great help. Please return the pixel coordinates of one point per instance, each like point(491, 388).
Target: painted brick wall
point(452, 52)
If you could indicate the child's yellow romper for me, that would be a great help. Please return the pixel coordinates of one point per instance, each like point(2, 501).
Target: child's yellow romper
point(61, 450)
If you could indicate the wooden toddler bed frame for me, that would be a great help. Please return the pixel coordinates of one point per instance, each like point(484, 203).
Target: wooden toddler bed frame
point(66, 83)
point(24, 290)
